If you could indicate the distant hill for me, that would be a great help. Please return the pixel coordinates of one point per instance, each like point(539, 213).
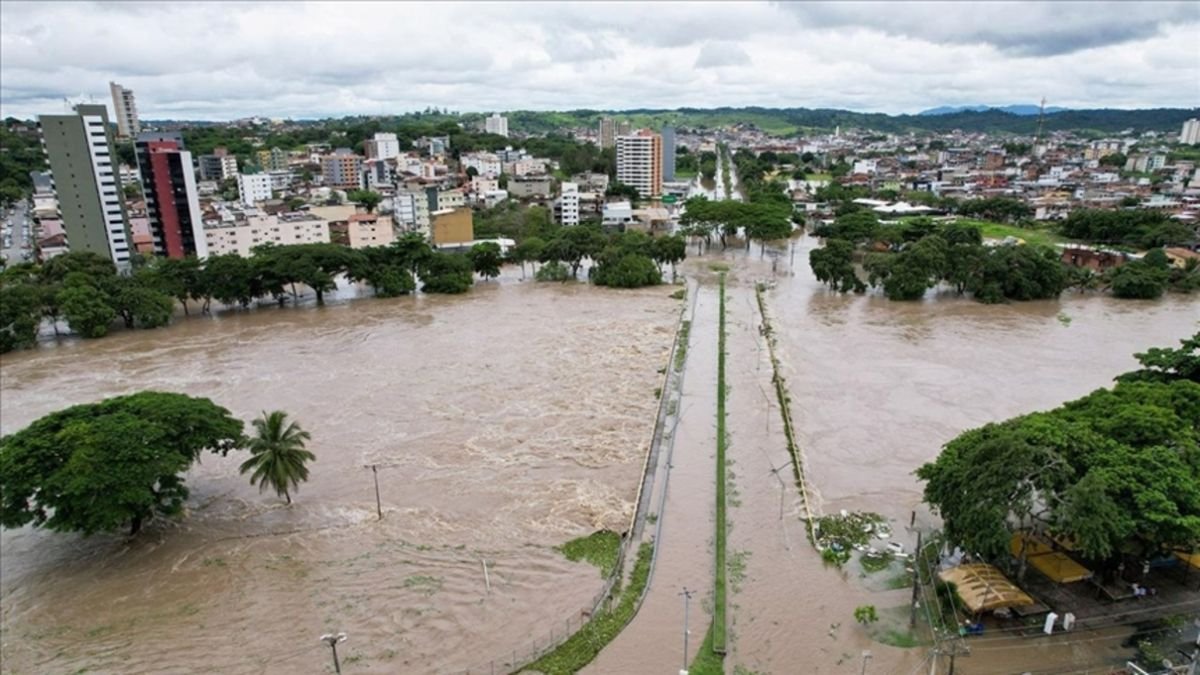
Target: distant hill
point(793, 121)
point(1021, 110)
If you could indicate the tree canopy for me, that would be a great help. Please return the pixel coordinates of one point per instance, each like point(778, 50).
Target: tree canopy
point(1117, 471)
point(100, 466)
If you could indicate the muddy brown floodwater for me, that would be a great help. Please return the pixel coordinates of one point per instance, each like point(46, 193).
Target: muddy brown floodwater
point(503, 422)
point(877, 387)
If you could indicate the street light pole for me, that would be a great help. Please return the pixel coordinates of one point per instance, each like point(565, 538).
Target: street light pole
point(687, 597)
point(333, 640)
point(378, 503)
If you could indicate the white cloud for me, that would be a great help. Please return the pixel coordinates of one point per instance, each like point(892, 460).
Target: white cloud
point(311, 60)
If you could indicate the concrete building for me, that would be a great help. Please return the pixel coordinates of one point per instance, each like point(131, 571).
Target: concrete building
point(172, 201)
point(79, 147)
point(452, 227)
point(624, 128)
point(383, 146)
point(411, 210)
point(496, 124)
point(617, 214)
point(486, 164)
point(275, 159)
point(639, 162)
point(125, 110)
point(379, 173)
point(241, 237)
point(450, 199)
point(217, 167)
point(668, 156)
point(1191, 132)
point(369, 229)
point(254, 187)
point(342, 170)
point(608, 132)
point(526, 188)
point(566, 207)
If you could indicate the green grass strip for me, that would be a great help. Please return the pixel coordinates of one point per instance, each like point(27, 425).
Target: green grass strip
point(718, 632)
point(581, 648)
point(707, 661)
point(600, 548)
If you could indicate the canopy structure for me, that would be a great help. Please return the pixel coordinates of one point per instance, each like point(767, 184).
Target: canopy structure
point(1056, 565)
point(984, 588)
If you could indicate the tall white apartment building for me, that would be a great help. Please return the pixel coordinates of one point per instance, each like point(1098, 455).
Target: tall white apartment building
point(80, 150)
point(254, 187)
point(383, 146)
point(567, 204)
point(485, 163)
point(496, 124)
point(639, 162)
point(125, 110)
point(1191, 132)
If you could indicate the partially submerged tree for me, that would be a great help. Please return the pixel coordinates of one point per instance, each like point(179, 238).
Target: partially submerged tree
point(100, 466)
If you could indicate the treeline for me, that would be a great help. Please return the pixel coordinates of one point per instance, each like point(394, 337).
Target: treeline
point(911, 257)
point(1141, 228)
point(758, 221)
point(623, 260)
point(86, 291)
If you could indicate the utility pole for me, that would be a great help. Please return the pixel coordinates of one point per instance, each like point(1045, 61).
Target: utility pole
point(687, 597)
point(378, 503)
point(333, 640)
point(866, 656)
point(912, 617)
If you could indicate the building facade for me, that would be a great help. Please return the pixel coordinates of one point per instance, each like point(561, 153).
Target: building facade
point(79, 148)
point(566, 207)
point(668, 153)
point(369, 229)
point(383, 146)
point(411, 209)
point(608, 132)
point(172, 202)
point(342, 170)
point(1191, 132)
point(254, 187)
point(496, 124)
point(639, 162)
point(125, 110)
point(241, 237)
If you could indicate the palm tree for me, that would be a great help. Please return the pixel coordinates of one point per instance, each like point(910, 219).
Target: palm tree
point(278, 454)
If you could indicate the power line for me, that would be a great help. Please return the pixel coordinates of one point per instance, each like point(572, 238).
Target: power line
point(1101, 622)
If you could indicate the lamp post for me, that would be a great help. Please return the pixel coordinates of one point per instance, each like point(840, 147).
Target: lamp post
point(332, 640)
point(687, 597)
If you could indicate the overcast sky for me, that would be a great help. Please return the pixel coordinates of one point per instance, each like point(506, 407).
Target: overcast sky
point(223, 60)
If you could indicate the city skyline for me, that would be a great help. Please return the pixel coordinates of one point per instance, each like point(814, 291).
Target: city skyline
point(299, 61)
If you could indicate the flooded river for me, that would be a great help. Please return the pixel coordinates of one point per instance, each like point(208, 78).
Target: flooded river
point(503, 422)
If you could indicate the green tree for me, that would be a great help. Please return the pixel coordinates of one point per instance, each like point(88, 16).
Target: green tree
point(486, 259)
point(446, 273)
point(668, 250)
point(866, 614)
point(631, 270)
point(86, 309)
point(230, 279)
point(139, 304)
point(833, 265)
point(529, 250)
point(20, 314)
point(1163, 364)
point(1139, 280)
point(277, 454)
point(100, 466)
point(368, 199)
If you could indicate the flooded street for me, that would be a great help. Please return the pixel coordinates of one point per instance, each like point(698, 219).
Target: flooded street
point(504, 422)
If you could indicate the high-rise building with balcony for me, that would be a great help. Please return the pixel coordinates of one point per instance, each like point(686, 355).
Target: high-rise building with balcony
point(125, 110)
point(172, 203)
point(640, 162)
point(668, 153)
point(79, 148)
